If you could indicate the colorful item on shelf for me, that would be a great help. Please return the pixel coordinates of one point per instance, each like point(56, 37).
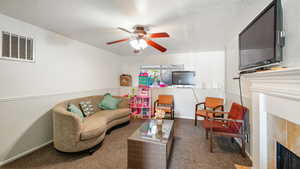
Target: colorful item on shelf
point(162, 85)
point(155, 78)
point(144, 80)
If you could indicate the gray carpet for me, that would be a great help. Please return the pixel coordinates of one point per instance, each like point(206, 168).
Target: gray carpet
point(190, 151)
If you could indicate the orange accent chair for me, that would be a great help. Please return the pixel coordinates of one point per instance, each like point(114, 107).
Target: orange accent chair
point(233, 126)
point(165, 103)
point(210, 105)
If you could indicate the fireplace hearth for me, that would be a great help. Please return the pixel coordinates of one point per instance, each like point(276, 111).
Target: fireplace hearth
point(286, 159)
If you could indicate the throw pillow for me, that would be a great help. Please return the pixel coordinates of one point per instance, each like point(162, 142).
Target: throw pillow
point(87, 108)
point(74, 109)
point(109, 102)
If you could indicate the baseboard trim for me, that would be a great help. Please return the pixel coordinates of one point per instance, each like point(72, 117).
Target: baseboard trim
point(240, 145)
point(184, 117)
point(24, 153)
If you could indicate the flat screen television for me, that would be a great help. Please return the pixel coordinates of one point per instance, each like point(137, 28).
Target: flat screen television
point(261, 42)
point(183, 77)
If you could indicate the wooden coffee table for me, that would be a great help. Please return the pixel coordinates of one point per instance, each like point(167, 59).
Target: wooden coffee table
point(149, 147)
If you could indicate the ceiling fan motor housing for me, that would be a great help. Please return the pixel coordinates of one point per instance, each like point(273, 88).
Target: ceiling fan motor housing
point(139, 29)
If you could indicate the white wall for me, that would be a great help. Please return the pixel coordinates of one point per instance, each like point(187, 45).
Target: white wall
point(291, 56)
point(209, 67)
point(64, 69)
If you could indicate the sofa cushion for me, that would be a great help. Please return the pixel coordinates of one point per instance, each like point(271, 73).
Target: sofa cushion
point(111, 115)
point(87, 108)
point(74, 109)
point(109, 102)
point(96, 124)
point(93, 126)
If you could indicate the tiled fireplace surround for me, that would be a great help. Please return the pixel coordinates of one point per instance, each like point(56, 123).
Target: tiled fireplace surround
point(276, 114)
point(284, 132)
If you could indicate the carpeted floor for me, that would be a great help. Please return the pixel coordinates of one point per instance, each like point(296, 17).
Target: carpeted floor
point(190, 151)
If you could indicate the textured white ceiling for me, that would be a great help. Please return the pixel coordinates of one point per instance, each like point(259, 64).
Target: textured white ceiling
point(194, 25)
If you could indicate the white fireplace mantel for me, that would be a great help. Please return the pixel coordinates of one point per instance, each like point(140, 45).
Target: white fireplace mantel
point(277, 93)
point(281, 83)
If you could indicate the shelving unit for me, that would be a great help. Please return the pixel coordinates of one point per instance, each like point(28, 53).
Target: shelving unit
point(141, 104)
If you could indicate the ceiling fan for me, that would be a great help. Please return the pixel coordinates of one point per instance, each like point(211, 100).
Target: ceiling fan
point(139, 38)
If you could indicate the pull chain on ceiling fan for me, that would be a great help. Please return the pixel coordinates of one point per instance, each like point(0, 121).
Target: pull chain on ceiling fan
point(140, 39)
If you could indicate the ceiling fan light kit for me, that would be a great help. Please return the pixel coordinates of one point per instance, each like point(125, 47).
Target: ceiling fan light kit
point(140, 39)
point(138, 44)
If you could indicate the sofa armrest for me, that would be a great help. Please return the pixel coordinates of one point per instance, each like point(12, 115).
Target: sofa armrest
point(124, 103)
point(66, 128)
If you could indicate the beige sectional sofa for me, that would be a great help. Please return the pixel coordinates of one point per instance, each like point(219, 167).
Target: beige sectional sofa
point(72, 134)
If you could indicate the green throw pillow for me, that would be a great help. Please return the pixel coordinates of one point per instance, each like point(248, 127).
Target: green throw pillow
point(74, 109)
point(109, 102)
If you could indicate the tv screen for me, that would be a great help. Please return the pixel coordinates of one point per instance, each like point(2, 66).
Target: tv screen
point(183, 77)
point(257, 42)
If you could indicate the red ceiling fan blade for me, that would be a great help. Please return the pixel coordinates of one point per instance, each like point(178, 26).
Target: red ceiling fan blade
point(155, 45)
point(159, 35)
point(117, 41)
point(125, 30)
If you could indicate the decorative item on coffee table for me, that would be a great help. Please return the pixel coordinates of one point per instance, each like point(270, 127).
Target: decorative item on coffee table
point(159, 115)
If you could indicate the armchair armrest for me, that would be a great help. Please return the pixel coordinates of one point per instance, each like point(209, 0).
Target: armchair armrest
point(217, 107)
point(228, 120)
point(219, 112)
point(213, 113)
point(155, 105)
point(198, 104)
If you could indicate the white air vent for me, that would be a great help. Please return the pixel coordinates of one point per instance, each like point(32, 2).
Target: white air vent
point(18, 48)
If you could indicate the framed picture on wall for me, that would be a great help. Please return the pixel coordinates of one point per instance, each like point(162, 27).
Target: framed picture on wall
point(125, 80)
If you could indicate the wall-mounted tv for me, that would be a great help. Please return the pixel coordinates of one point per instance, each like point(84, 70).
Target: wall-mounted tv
point(183, 78)
point(261, 42)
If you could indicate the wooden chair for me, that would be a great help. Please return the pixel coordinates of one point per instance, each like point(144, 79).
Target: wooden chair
point(233, 126)
point(166, 103)
point(210, 105)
